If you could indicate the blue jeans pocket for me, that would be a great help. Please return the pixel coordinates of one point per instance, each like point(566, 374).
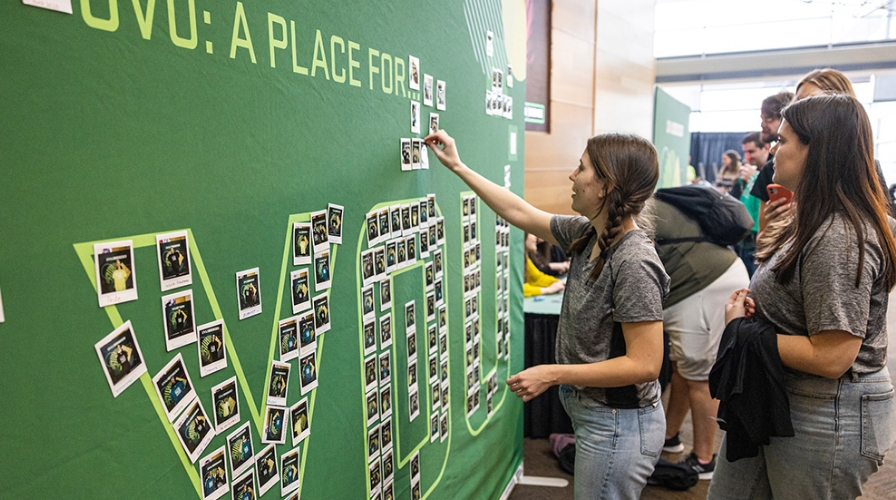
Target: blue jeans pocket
point(878, 428)
point(650, 427)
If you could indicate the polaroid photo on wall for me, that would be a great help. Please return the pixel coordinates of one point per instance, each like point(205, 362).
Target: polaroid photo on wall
point(274, 420)
point(248, 293)
point(412, 346)
point(402, 251)
point(431, 205)
point(424, 155)
point(373, 444)
point(386, 294)
point(424, 242)
point(413, 405)
point(443, 427)
point(239, 442)
point(320, 235)
point(369, 336)
point(244, 487)
point(385, 364)
point(373, 229)
point(121, 358)
point(440, 295)
point(431, 306)
point(307, 333)
point(194, 430)
point(428, 276)
point(300, 290)
point(225, 405)
point(443, 318)
point(174, 260)
point(385, 228)
point(391, 256)
point(212, 353)
point(115, 274)
point(437, 263)
point(388, 464)
point(432, 334)
point(415, 117)
point(368, 271)
point(489, 103)
point(308, 372)
point(440, 95)
point(433, 366)
point(409, 317)
point(266, 466)
point(406, 164)
point(405, 219)
point(290, 465)
point(334, 222)
point(368, 305)
point(388, 490)
point(414, 73)
point(213, 474)
point(440, 230)
point(433, 123)
point(379, 261)
point(278, 383)
point(443, 344)
point(288, 338)
point(298, 417)
point(373, 407)
point(434, 428)
point(321, 314)
point(424, 212)
point(385, 331)
point(415, 219)
point(386, 404)
point(416, 149)
point(395, 221)
point(427, 90)
point(174, 388)
point(370, 376)
point(509, 80)
point(301, 243)
point(412, 375)
point(411, 243)
point(180, 324)
point(322, 270)
point(489, 43)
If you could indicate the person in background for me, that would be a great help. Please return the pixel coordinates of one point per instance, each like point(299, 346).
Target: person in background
point(536, 282)
point(729, 172)
point(756, 153)
point(549, 259)
point(770, 115)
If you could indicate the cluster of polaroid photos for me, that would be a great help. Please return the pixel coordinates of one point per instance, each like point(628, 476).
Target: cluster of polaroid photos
point(502, 285)
point(497, 103)
point(472, 290)
point(414, 155)
point(399, 235)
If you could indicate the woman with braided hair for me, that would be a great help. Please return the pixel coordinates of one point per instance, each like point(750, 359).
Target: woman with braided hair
point(610, 333)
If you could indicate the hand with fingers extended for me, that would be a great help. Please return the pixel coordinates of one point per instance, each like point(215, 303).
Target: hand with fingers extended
point(779, 209)
point(445, 149)
point(531, 382)
point(739, 306)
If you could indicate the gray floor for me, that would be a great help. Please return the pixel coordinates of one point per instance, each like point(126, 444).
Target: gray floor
point(539, 460)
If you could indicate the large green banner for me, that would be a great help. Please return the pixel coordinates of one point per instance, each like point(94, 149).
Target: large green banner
point(228, 265)
point(672, 138)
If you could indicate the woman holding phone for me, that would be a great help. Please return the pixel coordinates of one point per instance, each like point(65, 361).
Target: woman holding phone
point(610, 333)
point(824, 286)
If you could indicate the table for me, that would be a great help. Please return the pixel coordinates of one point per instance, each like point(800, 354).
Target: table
point(543, 415)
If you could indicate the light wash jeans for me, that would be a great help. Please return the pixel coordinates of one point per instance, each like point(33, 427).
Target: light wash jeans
point(616, 449)
point(843, 429)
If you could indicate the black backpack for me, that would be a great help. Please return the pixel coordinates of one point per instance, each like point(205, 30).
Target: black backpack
point(723, 219)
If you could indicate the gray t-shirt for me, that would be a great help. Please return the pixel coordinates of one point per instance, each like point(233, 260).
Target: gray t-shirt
point(822, 295)
point(630, 289)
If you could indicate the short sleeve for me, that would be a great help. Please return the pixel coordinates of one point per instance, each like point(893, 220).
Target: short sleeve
point(828, 266)
point(765, 178)
point(639, 288)
point(568, 228)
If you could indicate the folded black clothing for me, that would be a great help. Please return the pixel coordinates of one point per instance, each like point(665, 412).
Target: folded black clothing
point(748, 379)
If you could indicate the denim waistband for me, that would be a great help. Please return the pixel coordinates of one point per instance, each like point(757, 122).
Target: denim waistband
point(808, 382)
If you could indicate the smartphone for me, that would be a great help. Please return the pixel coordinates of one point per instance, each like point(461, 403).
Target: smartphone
point(776, 192)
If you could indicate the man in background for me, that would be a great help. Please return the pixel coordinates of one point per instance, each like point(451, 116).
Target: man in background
point(756, 154)
point(770, 115)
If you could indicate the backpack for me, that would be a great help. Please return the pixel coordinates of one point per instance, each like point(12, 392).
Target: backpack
point(723, 219)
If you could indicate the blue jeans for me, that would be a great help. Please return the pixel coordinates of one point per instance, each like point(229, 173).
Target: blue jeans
point(843, 429)
point(616, 449)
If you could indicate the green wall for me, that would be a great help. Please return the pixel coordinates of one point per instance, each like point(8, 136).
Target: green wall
point(672, 138)
point(121, 121)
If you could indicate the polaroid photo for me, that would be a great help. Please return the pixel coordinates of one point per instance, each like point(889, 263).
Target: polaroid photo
point(509, 76)
point(508, 108)
point(440, 230)
point(386, 404)
point(427, 90)
point(443, 344)
point(445, 396)
point(406, 164)
point(431, 306)
point(322, 271)
point(412, 375)
point(174, 260)
point(414, 73)
point(391, 256)
point(373, 229)
point(174, 388)
point(395, 220)
point(424, 155)
point(388, 491)
point(415, 217)
point(471, 408)
point(301, 290)
point(409, 316)
point(278, 383)
point(473, 234)
point(290, 465)
point(115, 274)
point(225, 404)
point(443, 318)
point(299, 421)
point(368, 271)
point(411, 242)
point(384, 226)
point(274, 420)
point(433, 125)
point(388, 464)
point(370, 373)
point(307, 333)
point(239, 442)
point(212, 355)
point(423, 205)
point(266, 466)
point(415, 117)
point(437, 263)
point(243, 488)
point(443, 427)
point(416, 148)
point(213, 474)
point(368, 305)
point(431, 202)
point(369, 336)
point(489, 44)
point(386, 295)
point(288, 334)
point(248, 293)
point(434, 428)
point(334, 222)
point(440, 294)
point(489, 103)
point(402, 251)
point(428, 275)
point(379, 261)
point(121, 358)
point(436, 394)
point(476, 400)
point(413, 405)
point(180, 326)
point(405, 219)
point(385, 364)
point(415, 467)
point(375, 475)
point(415, 489)
point(424, 243)
point(320, 235)
point(440, 95)
point(443, 371)
point(194, 430)
point(433, 366)
point(301, 243)
point(433, 337)
point(308, 372)
point(321, 305)
point(373, 444)
point(373, 407)
point(385, 331)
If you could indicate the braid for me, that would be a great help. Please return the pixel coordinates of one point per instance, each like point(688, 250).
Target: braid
point(616, 210)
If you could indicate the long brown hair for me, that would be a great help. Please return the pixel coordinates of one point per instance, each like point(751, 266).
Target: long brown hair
point(828, 80)
point(628, 164)
point(839, 178)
